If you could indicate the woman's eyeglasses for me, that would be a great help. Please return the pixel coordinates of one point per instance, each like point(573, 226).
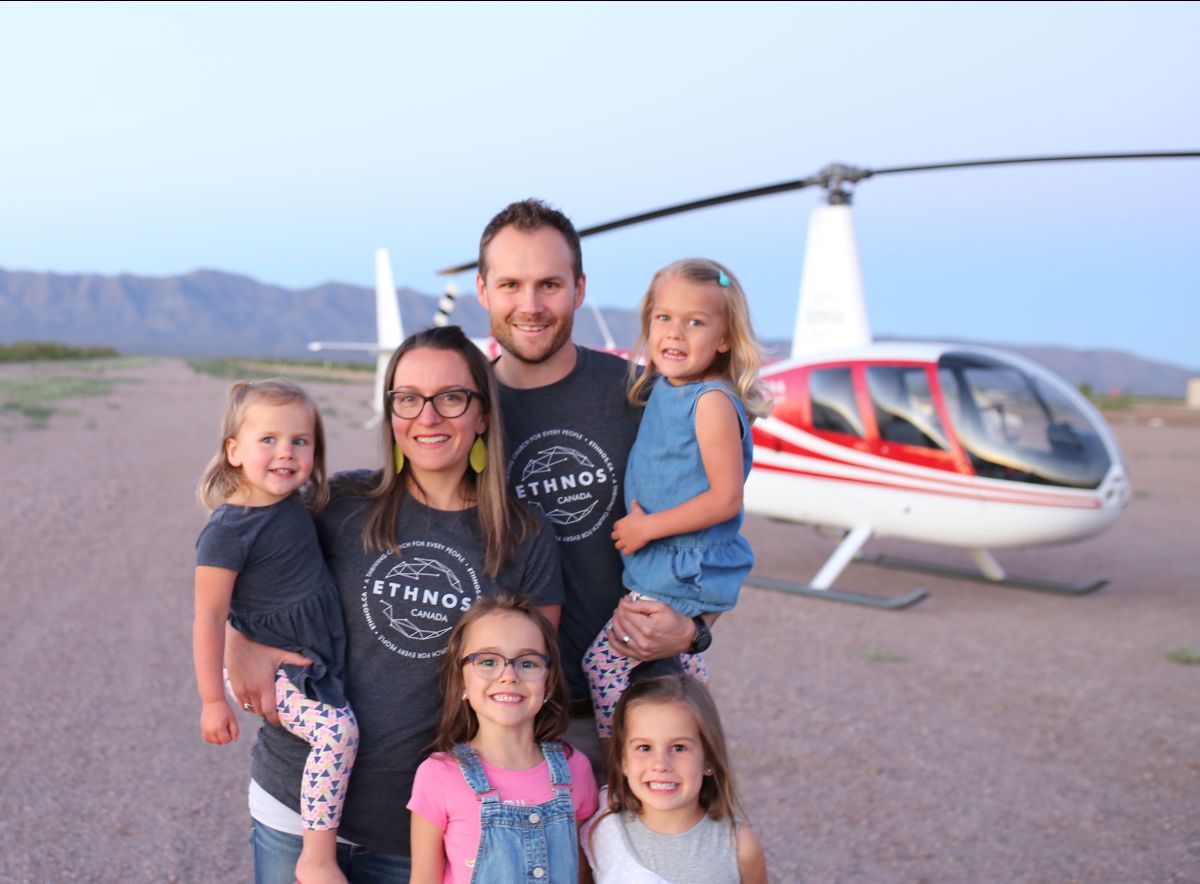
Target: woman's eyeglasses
point(448, 403)
point(528, 667)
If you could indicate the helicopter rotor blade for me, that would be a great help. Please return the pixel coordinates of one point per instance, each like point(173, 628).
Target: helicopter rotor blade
point(836, 174)
point(1055, 158)
point(720, 199)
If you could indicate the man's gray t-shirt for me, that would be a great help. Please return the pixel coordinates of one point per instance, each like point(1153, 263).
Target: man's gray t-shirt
point(567, 446)
point(399, 610)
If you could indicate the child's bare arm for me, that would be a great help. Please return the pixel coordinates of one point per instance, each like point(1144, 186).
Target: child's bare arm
point(214, 588)
point(428, 851)
point(718, 431)
point(752, 862)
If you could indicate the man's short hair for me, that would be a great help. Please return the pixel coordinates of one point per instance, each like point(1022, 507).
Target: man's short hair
point(527, 216)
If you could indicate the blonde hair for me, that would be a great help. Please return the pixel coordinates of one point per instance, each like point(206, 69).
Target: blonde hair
point(221, 479)
point(717, 794)
point(739, 367)
point(503, 519)
point(458, 722)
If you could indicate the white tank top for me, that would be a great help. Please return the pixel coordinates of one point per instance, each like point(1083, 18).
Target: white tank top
point(621, 850)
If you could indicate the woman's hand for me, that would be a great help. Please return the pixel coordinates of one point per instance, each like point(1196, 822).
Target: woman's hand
point(251, 669)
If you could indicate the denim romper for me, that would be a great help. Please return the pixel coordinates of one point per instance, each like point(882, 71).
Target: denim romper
point(519, 843)
point(699, 572)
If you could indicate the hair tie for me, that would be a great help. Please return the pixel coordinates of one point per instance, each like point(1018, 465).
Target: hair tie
point(723, 280)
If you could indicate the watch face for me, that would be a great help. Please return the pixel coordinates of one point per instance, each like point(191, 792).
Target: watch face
point(703, 636)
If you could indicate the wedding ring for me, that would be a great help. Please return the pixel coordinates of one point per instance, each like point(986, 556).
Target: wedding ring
point(249, 707)
point(625, 639)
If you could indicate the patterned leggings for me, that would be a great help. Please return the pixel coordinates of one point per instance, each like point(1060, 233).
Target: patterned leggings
point(608, 670)
point(332, 735)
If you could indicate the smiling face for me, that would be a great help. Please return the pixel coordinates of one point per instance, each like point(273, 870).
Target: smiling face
point(433, 444)
point(531, 295)
point(687, 328)
point(274, 450)
point(663, 761)
point(504, 700)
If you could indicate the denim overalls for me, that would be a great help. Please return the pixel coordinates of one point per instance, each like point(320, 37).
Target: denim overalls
point(524, 844)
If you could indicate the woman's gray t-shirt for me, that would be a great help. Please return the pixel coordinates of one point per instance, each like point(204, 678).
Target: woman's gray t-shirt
point(399, 608)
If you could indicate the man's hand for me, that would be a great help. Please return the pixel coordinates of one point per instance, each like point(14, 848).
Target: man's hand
point(634, 531)
point(655, 630)
point(251, 669)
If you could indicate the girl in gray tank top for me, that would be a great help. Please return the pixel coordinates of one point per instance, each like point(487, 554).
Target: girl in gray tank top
point(670, 813)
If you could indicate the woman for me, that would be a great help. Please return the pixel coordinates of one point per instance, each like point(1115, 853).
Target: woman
point(410, 547)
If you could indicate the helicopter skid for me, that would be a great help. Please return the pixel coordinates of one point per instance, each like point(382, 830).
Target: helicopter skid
point(1049, 586)
point(834, 595)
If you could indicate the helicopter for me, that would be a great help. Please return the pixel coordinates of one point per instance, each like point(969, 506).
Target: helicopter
point(940, 443)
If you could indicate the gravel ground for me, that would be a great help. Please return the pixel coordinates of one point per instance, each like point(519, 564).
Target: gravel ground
point(986, 735)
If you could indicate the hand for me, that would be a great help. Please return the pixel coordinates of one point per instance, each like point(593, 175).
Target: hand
point(655, 630)
point(634, 531)
point(217, 723)
point(251, 671)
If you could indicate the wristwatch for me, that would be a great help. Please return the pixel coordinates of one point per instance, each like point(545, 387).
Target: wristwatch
point(703, 636)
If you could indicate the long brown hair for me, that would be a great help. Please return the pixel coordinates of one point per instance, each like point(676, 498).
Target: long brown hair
point(504, 520)
point(739, 367)
point(717, 794)
point(221, 479)
point(458, 722)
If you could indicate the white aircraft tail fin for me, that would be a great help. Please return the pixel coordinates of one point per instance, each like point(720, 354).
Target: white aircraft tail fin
point(387, 325)
point(387, 310)
point(832, 313)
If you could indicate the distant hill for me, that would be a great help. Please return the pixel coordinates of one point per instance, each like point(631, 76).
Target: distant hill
point(212, 313)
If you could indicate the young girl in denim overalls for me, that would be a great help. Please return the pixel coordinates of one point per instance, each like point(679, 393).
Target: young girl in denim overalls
point(683, 483)
point(501, 798)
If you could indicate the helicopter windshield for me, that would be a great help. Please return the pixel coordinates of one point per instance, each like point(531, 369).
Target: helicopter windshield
point(1017, 426)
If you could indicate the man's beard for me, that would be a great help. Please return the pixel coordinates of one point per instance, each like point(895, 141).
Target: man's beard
point(527, 351)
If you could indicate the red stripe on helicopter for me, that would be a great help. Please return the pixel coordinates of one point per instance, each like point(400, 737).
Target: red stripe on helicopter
point(946, 474)
point(976, 494)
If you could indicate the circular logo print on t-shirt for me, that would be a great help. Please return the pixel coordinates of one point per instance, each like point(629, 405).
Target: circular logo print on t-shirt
point(569, 477)
point(412, 599)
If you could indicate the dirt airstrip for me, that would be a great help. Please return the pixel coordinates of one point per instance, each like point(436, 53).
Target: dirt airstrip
point(986, 735)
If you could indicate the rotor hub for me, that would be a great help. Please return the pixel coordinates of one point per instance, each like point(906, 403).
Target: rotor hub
point(836, 179)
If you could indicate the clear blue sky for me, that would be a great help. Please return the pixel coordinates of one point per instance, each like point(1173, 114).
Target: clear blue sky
point(287, 142)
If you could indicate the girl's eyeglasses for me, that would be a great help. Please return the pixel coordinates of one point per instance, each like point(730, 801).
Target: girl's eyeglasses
point(448, 403)
point(488, 666)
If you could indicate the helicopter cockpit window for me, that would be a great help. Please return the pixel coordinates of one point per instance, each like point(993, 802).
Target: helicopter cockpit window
point(833, 407)
point(904, 409)
point(1019, 427)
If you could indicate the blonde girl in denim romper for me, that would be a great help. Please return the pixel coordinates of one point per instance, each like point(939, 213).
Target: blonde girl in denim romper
point(683, 483)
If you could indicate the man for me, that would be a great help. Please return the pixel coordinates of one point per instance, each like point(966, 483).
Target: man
point(569, 428)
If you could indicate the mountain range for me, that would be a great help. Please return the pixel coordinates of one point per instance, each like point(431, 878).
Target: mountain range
point(212, 313)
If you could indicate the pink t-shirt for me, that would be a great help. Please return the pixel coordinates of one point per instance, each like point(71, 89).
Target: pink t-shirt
point(441, 795)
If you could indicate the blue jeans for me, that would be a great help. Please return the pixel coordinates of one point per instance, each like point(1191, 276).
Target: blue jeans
point(275, 855)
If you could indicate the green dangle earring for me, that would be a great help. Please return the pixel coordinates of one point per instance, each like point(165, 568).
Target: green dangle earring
point(398, 454)
point(478, 456)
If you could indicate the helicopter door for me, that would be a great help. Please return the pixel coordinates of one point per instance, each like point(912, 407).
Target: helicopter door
point(907, 423)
